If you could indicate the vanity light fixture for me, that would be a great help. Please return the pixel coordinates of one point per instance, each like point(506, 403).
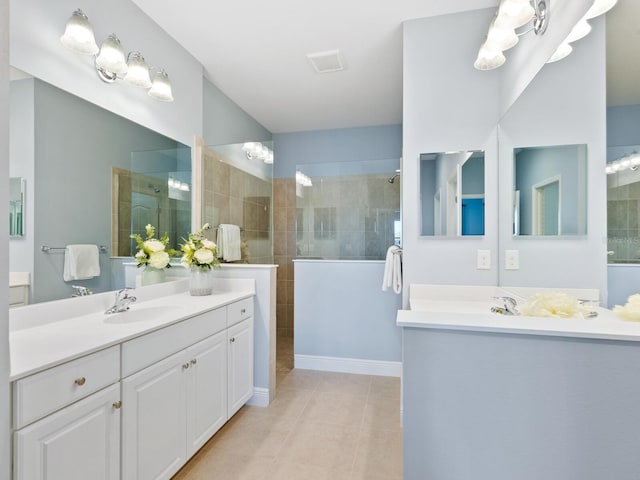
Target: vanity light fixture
point(259, 151)
point(628, 162)
point(515, 14)
point(110, 60)
point(303, 180)
point(582, 28)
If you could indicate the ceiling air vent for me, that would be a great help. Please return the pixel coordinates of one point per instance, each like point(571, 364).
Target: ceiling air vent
point(325, 62)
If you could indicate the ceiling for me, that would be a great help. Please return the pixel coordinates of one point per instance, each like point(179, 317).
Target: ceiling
point(255, 52)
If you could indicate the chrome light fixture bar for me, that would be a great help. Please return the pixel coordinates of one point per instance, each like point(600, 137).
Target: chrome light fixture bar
point(110, 60)
point(515, 14)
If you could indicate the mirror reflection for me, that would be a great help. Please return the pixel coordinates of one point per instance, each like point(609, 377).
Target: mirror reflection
point(69, 168)
point(550, 187)
point(452, 193)
point(17, 187)
point(623, 198)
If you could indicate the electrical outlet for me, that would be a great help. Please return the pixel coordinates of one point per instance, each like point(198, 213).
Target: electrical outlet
point(512, 260)
point(484, 260)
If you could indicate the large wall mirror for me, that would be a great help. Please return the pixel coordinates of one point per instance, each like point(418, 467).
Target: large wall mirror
point(550, 186)
point(74, 196)
point(452, 193)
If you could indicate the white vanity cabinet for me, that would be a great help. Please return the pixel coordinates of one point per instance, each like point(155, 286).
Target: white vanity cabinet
point(56, 438)
point(139, 409)
point(174, 406)
point(240, 355)
point(78, 442)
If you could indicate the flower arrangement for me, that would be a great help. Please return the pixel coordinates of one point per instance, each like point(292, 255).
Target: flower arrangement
point(631, 310)
point(151, 251)
point(199, 251)
point(553, 304)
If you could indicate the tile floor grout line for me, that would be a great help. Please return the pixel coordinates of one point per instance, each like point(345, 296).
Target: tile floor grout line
point(360, 430)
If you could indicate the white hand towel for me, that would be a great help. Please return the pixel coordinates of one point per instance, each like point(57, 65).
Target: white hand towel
point(393, 269)
point(81, 262)
point(228, 240)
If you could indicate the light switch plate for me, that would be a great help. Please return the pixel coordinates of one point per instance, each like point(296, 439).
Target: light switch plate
point(484, 260)
point(512, 260)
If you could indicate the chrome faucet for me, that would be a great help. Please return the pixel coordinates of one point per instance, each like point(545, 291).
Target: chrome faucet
point(508, 308)
point(80, 291)
point(123, 300)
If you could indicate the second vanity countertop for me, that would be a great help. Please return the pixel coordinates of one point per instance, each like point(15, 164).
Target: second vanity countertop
point(36, 346)
point(441, 307)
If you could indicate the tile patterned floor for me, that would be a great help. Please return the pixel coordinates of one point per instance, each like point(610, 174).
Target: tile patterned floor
point(321, 426)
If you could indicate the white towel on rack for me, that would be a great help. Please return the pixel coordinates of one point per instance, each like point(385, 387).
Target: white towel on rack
point(393, 269)
point(228, 240)
point(81, 262)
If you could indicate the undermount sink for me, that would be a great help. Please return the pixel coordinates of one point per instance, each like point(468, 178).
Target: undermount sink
point(140, 314)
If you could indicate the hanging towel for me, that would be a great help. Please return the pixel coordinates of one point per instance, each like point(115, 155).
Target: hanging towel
point(393, 269)
point(229, 242)
point(81, 262)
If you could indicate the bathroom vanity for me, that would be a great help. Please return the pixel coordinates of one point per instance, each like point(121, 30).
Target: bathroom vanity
point(130, 395)
point(488, 396)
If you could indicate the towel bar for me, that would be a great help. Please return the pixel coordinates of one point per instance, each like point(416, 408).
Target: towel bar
point(47, 248)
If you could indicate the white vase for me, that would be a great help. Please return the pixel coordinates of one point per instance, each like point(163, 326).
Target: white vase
point(200, 281)
point(151, 276)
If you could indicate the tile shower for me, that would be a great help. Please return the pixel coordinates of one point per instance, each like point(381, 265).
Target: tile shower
point(346, 211)
point(233, 192)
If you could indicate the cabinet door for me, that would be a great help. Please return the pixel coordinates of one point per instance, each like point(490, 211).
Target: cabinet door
point(207, 390)
point(240, 355)
point(153, 420)
point(79, 442)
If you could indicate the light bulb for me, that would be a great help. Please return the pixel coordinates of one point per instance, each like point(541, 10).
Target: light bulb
point(78, 34)
point(111, 56)
point(599, 7)
point(488, 58)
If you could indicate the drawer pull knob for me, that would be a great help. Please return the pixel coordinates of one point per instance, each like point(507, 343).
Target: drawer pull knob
point(117, 404)
point(185, 365)
point(80, 381)
point(232, 339)
point(194, 361)
point(244, 310)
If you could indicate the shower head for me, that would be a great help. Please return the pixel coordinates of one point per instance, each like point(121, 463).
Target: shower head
point(153, 187)
point(392, 179)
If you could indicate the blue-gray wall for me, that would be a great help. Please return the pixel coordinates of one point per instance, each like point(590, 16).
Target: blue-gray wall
point(341, 311)
point(623, 128)
point(225, 122)
point(340, 145)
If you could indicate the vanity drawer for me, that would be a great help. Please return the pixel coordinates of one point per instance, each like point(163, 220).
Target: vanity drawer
point(238, 311)
point(45, 392)
point(150, 348)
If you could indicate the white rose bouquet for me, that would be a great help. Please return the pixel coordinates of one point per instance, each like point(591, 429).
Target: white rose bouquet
point(199, 251)
point(151, 251)
point(631, 310)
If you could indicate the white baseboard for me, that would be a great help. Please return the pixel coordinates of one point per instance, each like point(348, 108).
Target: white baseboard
point(260, 397)
point(348, 365)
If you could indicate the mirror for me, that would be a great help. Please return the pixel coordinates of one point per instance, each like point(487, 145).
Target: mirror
point(550, 187)
point(17, 188)
point(452, 193)
point(69, 199)
point(623, 197)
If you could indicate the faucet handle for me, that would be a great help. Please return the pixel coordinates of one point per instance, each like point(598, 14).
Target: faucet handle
point(508, 300)
point(123, 293)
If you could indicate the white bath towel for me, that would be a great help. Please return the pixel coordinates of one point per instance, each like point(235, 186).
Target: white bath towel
point(228, 240)
point(81, 262)
point(393, 269)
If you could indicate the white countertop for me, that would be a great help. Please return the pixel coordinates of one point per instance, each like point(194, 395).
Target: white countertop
point(606, 325)
point(45, 344)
